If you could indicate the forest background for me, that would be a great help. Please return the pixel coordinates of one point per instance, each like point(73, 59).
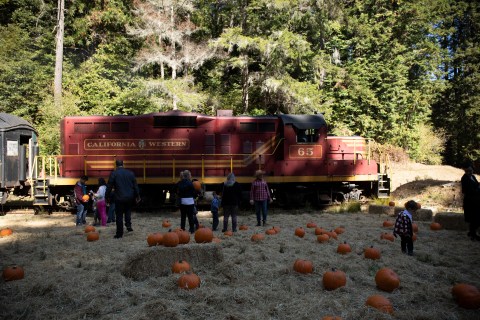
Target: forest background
point(402, 72)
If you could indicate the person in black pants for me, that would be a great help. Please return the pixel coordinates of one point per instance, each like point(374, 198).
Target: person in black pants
point(126, 192)
point(186, 194)
point(471, 201)
point(404, 227)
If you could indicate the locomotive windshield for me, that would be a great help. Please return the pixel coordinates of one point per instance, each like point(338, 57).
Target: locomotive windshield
point(306, 126)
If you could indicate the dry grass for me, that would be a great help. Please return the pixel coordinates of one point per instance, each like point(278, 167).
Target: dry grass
point(67, 277)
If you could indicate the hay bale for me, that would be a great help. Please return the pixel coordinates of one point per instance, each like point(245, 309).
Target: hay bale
point(157, 261)
point(379, 209)
point(422, 215)
point(451, 221)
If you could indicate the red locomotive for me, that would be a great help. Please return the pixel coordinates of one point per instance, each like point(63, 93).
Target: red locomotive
point(302, 163)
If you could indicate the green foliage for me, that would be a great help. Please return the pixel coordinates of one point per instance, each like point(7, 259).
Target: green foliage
point(23, 81)
point(430, 146)
point(404, 73)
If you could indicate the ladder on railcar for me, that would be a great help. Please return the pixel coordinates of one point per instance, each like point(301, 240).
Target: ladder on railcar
point(384, 177)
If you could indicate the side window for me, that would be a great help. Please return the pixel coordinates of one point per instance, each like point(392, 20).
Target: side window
point(307, 135)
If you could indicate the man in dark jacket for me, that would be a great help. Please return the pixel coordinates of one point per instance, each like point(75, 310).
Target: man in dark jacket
point(126, 191)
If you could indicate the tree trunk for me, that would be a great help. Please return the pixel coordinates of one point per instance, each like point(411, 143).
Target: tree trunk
point(57, 88)
point(245, 85)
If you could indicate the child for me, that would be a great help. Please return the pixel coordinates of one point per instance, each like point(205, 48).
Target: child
point(100, 201)
point(214, 210)
point(403, 227)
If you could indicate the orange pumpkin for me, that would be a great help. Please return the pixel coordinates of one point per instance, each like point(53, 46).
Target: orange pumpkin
point(166, 224)
point(170, 239)
point(203, 235)
point(228, 233)
point(332, 234)
point(180, 266)
point(323, 237)
point(414, 237)
point(197, 185)
point(372, 253)
point(89, 229)
point(271, 231)
point(13, 273)
point(415, 227)
point(319, 230)
point(6, 232)
point(93, 236)
point(387, 280)
point(303, 266)
point(277, 229)
point(388, 224)
point(339, 230)
point(331, 318)
point(216, 240)
point(435, 226)
point(257, 237)
point(466, 296)
point(334, 279)
point(380, 302)
point(154, 239)
point(391, 203)
point(85, 197)
point(311, 225)
point(300, 232)
point(387, 236)
point(183, 236)
point(188, 281)
point(243, 227)
point(344, 248)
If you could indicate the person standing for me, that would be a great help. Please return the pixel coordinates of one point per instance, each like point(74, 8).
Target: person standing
point(80, 190)
point(471, 201)
point(260, 196)
point(404, 227)
point(99, 197)
point(187, 194)
point(214, 206)
point(111, 207)
point(126, 192)
point(231, 199)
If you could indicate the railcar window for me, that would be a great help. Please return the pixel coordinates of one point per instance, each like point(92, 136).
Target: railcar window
point(101, 126)
point(224, 143)
point(266, 127)
point(83, 127)
point(247, 147)
point(120, 127)
point(257, 127)
point(175, 121)
point(307, 135)
point(248, 127)
point(209, 144)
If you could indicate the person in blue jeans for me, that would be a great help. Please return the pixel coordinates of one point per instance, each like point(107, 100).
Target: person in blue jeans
point(260, 196)
point(111, 208)
point(126, 193)
point(214, 206)
point(80, 190)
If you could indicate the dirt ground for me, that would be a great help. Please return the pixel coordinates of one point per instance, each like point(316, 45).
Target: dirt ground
point(435, 187)
point(67, 277)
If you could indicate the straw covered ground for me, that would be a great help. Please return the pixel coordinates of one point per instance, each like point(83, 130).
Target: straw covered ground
point(67, 277)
